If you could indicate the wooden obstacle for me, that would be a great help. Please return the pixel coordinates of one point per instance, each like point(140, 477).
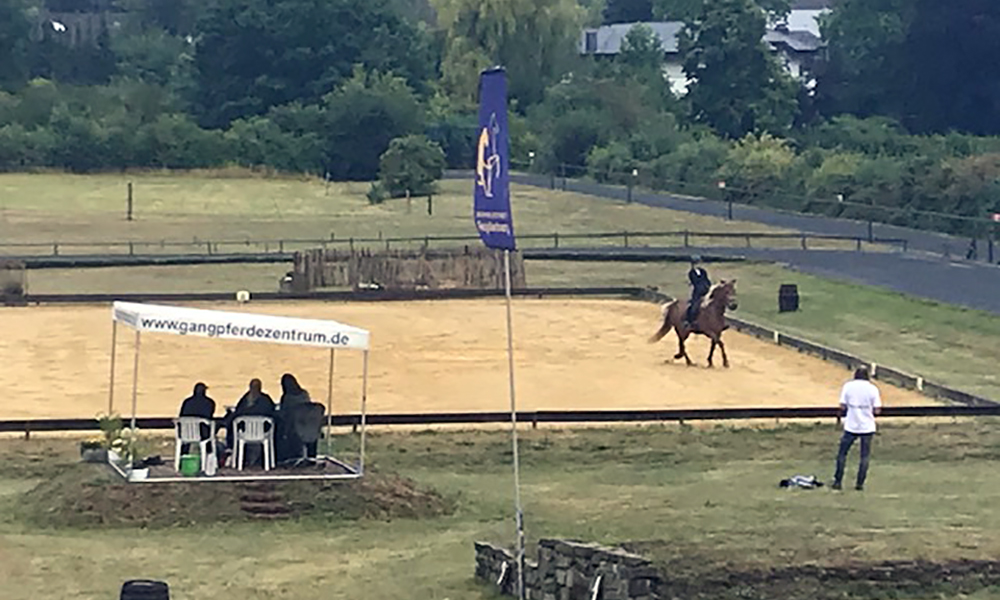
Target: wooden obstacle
point(462, 268)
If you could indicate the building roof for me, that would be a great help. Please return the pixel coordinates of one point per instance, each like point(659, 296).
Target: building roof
point(608, 39)
point(812, 4)
point(799, 41)
point(611, 37)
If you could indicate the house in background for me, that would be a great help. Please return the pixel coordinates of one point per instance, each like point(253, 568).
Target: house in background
point(796, 40)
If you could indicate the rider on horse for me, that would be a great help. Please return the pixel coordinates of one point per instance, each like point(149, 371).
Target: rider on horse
point(701, 285)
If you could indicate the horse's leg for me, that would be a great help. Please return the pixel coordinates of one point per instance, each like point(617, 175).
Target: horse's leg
point(722, 347)
point(680, 343)
point(683, 351)
point(711, 351)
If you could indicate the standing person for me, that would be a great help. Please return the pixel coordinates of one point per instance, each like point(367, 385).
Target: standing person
point(700, 285)
point(859, 402)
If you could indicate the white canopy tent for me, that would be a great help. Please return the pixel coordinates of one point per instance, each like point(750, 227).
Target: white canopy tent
point(228, 325)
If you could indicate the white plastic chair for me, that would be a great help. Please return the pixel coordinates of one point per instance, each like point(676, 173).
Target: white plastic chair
point(254, 430)
point(187, 430)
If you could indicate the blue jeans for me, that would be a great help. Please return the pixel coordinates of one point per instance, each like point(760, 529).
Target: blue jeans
point(846, 441)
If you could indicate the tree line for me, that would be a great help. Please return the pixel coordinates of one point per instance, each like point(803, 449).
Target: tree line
point(901, 115)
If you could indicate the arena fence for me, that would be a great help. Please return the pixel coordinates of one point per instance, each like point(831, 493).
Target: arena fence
point(534, 418)
point(849, 361)
point(35, 251)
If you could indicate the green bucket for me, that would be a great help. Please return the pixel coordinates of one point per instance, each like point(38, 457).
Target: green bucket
point(190, 465)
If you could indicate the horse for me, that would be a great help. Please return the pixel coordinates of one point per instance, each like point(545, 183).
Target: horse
point(710, 322)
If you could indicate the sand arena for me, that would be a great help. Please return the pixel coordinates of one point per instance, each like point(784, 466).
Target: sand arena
point(426, 357)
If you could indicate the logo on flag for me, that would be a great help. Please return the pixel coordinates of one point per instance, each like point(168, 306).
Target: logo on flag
point(491, 210)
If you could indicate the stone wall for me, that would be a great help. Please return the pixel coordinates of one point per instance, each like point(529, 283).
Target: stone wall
point(568, 570)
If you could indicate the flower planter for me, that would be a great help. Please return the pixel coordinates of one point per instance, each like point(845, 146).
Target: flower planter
point(94, 455)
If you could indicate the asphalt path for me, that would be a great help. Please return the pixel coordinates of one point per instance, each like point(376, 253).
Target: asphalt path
point(929, 269)
point(924, 241)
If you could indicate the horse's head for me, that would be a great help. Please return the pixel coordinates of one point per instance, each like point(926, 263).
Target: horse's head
point(724, 294)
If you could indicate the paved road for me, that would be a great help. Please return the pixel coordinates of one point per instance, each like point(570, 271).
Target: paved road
point(969, 284)
point(926, 241)
point(928, 272)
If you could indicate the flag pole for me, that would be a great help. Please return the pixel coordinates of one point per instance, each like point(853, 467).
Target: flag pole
point(519, 515)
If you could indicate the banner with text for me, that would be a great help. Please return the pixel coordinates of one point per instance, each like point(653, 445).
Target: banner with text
point(494, 220)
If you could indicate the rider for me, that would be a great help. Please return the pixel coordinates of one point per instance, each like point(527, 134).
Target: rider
point(700, 284)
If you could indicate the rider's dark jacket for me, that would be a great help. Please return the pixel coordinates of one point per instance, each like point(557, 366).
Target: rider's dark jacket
point(699, 281)
point(700, 284)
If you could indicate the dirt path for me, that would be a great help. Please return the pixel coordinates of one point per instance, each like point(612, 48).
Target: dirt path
point(426, 357)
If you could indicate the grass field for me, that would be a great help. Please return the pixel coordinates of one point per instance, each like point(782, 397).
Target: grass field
point(710, 494)
point(178, 207)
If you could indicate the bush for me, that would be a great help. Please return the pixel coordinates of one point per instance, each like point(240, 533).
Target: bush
point(611, 164)
point(376, 193)
point(758, 167)
point(411, 165)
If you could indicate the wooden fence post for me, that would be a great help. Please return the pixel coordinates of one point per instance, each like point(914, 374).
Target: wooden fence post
point(129, 217)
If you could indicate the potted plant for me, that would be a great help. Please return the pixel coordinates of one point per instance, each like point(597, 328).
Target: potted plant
point(93, 450)
point(135, 451)
point(111, 436)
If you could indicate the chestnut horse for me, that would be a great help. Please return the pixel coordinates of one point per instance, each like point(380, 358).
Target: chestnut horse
point(711, 320)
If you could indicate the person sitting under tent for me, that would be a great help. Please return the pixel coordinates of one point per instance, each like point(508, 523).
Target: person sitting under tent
point(199, 405)
point(253, 403)
point(292, 395)
point(700, 284)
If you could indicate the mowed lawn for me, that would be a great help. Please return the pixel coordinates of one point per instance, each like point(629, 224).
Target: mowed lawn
point(710, 492)
point(210, 206)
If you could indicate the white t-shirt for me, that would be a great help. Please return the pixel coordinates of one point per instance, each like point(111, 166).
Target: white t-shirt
point(861, 398)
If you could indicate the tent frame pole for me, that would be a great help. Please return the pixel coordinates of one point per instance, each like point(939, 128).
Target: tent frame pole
point(364, 409)
point(111, 376)
point(135, 382)
point(329, 404)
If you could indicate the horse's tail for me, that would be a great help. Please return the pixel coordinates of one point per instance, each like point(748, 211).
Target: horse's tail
point(665, 327)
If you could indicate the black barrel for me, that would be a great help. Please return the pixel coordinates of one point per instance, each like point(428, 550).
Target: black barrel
point(145, 589)
point(788, 298)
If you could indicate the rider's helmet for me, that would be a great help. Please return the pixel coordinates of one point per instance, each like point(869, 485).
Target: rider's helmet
point(695, 259)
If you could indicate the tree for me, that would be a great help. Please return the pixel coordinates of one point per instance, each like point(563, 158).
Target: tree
point(410, 166)
point(865, 40)
point(642, 51)
point(689, 10)
point(950, 84)
point(14, 28)
point(255, 54)
point(628, 11)
point(361, 117)
point(737, 86)
point(534, 39)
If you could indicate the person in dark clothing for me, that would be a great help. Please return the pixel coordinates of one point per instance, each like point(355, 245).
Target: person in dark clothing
point(292, 395)
point(700, 284)
point(254, 403)
point(198, 404)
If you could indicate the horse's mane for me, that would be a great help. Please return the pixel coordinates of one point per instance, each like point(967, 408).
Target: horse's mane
point(718, 286)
